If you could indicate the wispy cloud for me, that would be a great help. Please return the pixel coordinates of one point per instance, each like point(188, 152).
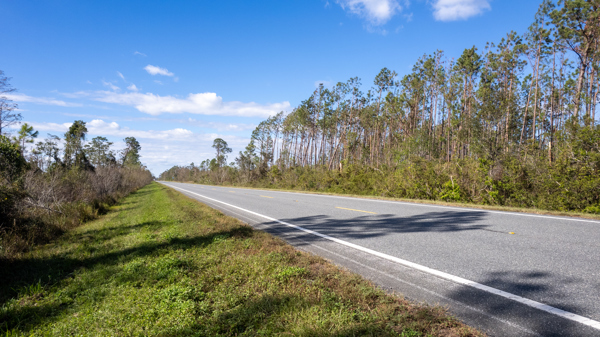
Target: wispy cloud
point(202, 103)
point(217, 125)
point(376, 12)
point(207, 103)
point(452, 10)
point(154, 70)
point(102, 128)
point(111, 86)
point(140, 54)
point(114, 118)
point(121, 75)
point(40, 100)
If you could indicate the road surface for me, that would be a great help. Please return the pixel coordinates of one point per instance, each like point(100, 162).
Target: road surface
point(508, 274)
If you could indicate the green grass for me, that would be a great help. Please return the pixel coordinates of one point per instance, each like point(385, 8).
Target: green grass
point(162, 264)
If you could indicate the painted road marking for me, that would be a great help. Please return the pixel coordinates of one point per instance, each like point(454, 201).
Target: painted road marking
point(534, 304)
point(356, 210)
point(566, 218)
point(264, 196)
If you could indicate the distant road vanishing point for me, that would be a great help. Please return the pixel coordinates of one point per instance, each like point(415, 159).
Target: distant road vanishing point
point(507, 274)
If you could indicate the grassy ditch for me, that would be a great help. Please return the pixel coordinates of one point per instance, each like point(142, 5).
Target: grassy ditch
point(163, 264)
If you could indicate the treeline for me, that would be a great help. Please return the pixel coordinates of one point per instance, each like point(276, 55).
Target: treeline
point(58, 183)
point(513, 124)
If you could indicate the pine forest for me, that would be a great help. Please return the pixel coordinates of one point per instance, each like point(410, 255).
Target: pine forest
point(513, 123)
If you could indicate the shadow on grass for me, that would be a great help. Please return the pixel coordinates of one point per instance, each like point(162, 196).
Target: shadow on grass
point(251, 314)
point(113, 232)
point(25, 318)
point(20, 273)
point(44, 272)
point(263, 316)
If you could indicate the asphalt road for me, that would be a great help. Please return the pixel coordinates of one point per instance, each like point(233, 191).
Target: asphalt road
point(508, 274)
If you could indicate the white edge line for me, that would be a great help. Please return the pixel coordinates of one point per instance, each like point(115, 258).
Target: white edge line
point(534, 304)
point(467, 209)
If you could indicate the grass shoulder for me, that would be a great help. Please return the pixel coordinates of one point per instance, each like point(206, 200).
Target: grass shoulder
point(160, 263)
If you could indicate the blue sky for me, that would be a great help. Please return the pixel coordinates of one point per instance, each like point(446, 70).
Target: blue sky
point(178, 74)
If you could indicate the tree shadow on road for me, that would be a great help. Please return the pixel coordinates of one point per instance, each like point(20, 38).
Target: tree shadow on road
point(542, 286)
point(539, 286)
point(363, 227)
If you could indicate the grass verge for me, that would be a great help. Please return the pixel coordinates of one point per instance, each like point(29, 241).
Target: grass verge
point(162, 264)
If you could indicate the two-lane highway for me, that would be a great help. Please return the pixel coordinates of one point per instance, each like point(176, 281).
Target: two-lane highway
point(509, 274)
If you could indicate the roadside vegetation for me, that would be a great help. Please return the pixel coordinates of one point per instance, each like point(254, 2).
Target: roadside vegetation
point(58, 183)
point(160, 263)
point(513, 125)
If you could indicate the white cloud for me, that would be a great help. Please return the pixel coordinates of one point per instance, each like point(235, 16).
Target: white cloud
point(56, 127)
point(451, 10)
point(218, 126)
point(160, 155)
point(207, 103)
point(39, 100)
point(98, 127)
point(114, 118)
point(132, 87)
point(138, 53)
point(376, 12)
point(77, 94)
point(154, 70)
point(121, 75)
point(111, 86)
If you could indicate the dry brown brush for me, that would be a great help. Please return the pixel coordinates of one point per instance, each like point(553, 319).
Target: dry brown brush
point(45, 204)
